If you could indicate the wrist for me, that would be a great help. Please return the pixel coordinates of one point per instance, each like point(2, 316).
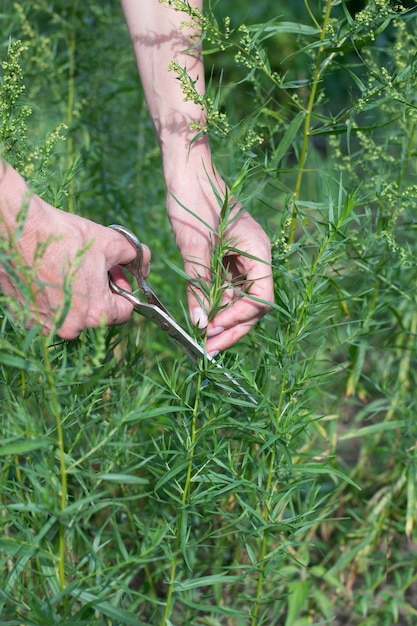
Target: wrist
point(184, 157)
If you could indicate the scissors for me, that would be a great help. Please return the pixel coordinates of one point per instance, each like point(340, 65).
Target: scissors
point(153, 309)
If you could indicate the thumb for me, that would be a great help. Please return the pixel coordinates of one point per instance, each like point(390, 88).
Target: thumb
point(119, 251)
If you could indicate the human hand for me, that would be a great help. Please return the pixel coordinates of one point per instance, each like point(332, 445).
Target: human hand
point(78, 253)
point(247, 286)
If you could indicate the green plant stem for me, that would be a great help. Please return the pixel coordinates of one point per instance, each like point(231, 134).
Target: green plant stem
point(70, 103)
point(60, 434)
point(307, 121)
point(264, 545)
point(62, 465)
point(184, 500)
point(309, 290)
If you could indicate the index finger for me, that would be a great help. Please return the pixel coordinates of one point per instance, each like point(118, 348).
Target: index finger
point(232, 323)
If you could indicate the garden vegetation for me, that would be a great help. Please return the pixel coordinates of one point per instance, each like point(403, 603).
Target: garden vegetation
point(138, 489)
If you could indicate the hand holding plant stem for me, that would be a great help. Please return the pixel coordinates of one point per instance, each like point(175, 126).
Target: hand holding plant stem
point(226, 254)
point(159, 39)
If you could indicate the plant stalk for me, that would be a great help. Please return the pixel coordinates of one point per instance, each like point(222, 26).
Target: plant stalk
point(184, 500)
point(307, 121)
point(70, 103)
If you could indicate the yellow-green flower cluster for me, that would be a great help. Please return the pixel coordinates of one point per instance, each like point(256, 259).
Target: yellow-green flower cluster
point(280, 247)
point(39, 44)
point(12, 84)
point(189, 91)
point(197, 20)
point(37, 159)
point(29, 158)
point(214, 118)
point(379, 9)
point(13, 128)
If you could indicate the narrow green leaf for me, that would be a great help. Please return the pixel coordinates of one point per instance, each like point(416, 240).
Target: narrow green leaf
point(168, 476)
point(287, 140)
point(123, 479)
point(19, 362)
point(298, 591)
point(206, 581)
point(371, 430)
point(287, 28)
point(23, 447)
point(316, 468)
point(148, 414)
point(107, 609)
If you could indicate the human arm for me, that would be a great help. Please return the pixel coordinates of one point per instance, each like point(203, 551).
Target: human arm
point(192, 183)
point(54, 245)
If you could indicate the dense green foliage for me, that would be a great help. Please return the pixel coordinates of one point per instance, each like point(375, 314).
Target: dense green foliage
point(132, 491)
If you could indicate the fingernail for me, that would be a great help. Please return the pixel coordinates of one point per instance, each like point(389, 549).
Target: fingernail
point(212, 355)
point(199, 317)
point(212, 332)
point(148, 270)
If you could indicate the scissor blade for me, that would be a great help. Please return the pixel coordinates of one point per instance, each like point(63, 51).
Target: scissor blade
point(187, 344)
point(235, 384)
point(167, 323)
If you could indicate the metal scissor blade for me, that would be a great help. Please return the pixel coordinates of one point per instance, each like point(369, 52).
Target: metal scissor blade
point(235, 384)
point(162, 319)
point(159, 315)
point(188, 345)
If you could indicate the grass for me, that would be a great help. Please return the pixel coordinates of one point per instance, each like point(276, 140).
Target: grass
point(134, 488)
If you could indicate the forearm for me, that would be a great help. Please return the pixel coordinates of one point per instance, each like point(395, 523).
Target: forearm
point(158, 39)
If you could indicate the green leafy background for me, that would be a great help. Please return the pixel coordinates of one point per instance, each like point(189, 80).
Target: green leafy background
point(137, 489)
